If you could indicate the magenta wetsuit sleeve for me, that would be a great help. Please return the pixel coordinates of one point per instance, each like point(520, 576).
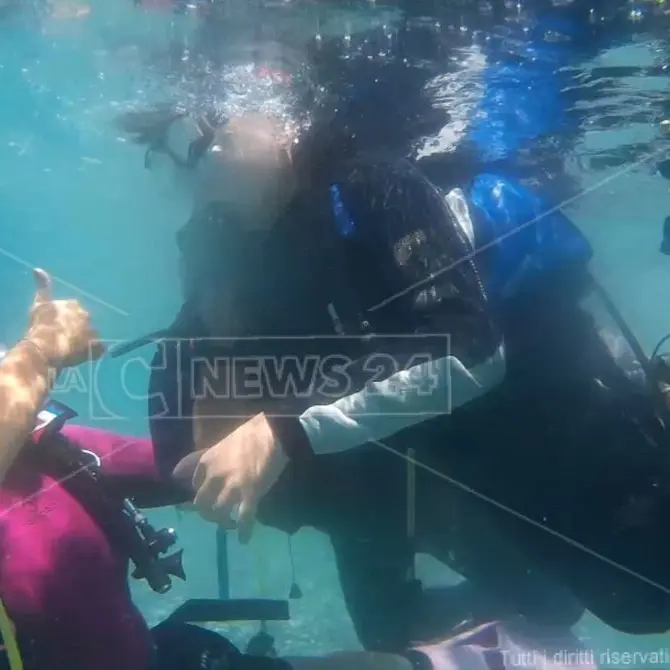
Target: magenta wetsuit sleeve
point(129, 465)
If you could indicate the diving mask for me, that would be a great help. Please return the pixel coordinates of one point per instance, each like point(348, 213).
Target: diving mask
point(186, 141)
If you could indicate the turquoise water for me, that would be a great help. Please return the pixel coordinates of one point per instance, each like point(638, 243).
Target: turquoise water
point(76, 200)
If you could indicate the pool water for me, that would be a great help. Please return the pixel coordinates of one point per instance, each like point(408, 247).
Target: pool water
point(76, 200)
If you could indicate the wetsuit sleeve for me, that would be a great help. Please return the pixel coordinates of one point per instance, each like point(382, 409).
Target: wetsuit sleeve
point(171, 404)
point(409, 397)
point(129, 465)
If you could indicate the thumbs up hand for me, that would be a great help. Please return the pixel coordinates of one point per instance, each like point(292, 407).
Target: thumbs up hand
point(61, 329)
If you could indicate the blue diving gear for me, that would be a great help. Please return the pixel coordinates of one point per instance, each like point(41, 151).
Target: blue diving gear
point(523, 98)
point(528, 241)
point(525, 237)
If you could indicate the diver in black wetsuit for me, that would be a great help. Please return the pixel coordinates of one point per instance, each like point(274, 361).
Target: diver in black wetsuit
point(535, 283)
point(564, 390)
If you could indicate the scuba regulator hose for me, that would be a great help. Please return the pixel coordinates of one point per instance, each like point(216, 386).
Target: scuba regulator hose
point(11, 646)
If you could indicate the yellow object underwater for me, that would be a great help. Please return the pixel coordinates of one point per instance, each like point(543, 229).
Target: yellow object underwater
point(8, 633)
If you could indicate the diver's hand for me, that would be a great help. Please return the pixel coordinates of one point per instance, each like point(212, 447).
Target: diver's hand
point(236, 472)
point(61, 329)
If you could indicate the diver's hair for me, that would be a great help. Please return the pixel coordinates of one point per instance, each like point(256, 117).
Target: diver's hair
point(149, 127)
point(340, 108)
point(369, 109)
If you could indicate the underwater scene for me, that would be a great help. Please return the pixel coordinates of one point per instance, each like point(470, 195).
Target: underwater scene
point(546, 123)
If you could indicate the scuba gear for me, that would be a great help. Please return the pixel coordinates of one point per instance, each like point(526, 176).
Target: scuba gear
point(519, 237)
point(132, 345)
point(654, 370)
point(159, 568)
point(525, 246)
point(183, 327)
point(52, 418)
point(422, 266)
point(196, 136)
point(80, 473)
point(159, 128)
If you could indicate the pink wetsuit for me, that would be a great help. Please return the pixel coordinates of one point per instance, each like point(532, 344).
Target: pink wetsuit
point(65, 587)
point(62, 583)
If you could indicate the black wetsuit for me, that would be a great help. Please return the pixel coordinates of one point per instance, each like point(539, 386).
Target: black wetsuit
point(566, 447)
point(551, 444)
point(359, 497)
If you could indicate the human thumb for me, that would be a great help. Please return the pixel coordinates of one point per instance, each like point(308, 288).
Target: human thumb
point(43, 287)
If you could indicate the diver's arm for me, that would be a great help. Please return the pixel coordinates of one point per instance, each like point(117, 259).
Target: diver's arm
point(429, 375)
point(409, 397)
point(60, 335)
point(25, 380)
point(171, 405)
point(386, 407)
